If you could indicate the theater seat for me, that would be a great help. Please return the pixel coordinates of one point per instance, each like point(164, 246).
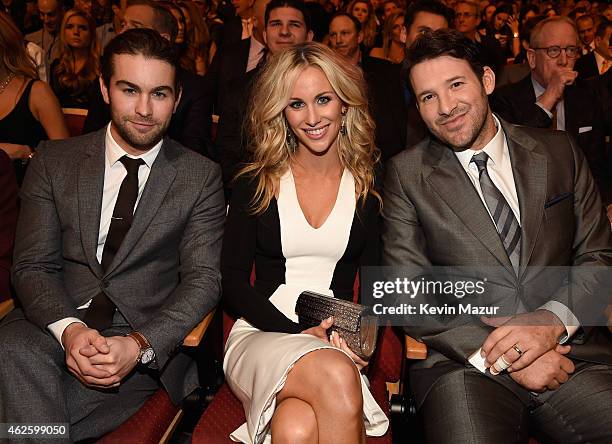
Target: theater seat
point(225, 413)
point(75, 120)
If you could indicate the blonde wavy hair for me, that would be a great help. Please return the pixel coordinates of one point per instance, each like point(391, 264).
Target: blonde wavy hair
point(267, 128)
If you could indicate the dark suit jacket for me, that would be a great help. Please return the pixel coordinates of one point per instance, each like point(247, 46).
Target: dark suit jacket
point(165, 276)
point(587, 66)
point(8, 221)
point(434, 216)
point(191, 123)
point(387, 105)
point(230, 63)
point(583, 120)
point(231, 143)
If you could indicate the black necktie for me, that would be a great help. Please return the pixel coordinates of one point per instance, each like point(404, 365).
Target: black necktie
point(101, 311)
point(507, 226)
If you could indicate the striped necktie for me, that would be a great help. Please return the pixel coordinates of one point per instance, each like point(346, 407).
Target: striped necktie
point(507, 226)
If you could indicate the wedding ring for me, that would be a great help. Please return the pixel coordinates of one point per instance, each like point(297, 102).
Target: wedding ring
point(518, 350)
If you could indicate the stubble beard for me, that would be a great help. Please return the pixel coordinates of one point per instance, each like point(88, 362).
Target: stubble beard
point(477, 128)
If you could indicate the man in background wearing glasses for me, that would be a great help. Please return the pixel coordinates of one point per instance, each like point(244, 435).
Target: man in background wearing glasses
point(551, 98)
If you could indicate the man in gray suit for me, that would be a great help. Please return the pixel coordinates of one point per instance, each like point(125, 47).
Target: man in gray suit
point(116, 258)
point(477, 192)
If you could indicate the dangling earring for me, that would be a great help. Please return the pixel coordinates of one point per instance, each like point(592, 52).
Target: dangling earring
point(343, 123)
point(291, 142)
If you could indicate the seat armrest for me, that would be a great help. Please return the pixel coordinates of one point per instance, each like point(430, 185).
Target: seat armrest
point(415, 349)
point(6, 307)
point(195, 336)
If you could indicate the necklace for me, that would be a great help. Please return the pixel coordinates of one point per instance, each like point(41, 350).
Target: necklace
point(6, 81)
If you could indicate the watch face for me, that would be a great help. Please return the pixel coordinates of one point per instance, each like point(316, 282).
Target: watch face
point(147, 356)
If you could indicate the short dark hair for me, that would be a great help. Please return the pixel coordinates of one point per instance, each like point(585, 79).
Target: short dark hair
point(446, 42)
point(431, 6)
point(295, 4)
point(141, 41)
point(348, 16)
point(602, 27)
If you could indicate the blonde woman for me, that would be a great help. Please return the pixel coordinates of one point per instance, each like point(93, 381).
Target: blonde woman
point(78, 65)
point(394, 40)
point(305, 213)
point(363, 11)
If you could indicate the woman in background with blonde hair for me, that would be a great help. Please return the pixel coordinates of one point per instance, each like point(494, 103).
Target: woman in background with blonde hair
point(363, 11)
point(394, 40)
point(78, 65)
point(29, 111)
point(305, 213)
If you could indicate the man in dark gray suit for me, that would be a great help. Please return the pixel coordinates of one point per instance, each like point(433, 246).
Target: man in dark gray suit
point(478, 192)
point(116, 258)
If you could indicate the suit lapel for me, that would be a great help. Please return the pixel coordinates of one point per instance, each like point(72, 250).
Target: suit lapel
point(160, 179)
point(454, 187)
point(90, 187)
point(529, 170)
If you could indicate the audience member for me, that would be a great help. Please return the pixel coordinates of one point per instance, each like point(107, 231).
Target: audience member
point(467, 19)
point(438, 211)
point(586, 32)
point(422, 16)
point(287, 23)
point(389, 8)
point(198, 39)
point(106, 296)
point(77, 67)
point(345, 36)
point(505, 28)
point(191, 122)
point(107, 31)
point(305, 212)
point(550, 97)
point(8, 220)
point(51, 13)
point(597, 62)
point(363, 11)
point(30, 109)
point(393, 38)
point(383, 81)
point(233, 61)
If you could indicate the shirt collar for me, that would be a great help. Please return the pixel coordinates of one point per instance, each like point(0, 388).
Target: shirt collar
point(537, 88)
point(114, 152)
point(494, 149)
point(256, 47)
point(598, 60)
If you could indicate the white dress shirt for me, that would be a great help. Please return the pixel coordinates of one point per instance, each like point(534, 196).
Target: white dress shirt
point(539, 90)
point(114, 173)
point(499, 167)
point(256, 51)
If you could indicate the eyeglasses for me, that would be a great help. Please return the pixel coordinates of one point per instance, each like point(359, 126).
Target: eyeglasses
point(555, 51)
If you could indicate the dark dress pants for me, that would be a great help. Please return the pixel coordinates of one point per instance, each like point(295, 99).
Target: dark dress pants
point(36, 387)
point(465, 406)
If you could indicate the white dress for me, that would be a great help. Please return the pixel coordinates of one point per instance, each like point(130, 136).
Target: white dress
point(256, 363)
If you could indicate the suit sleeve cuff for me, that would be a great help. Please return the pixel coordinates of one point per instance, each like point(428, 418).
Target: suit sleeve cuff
point(548, 113)
point(57, 328)
point(566, 316)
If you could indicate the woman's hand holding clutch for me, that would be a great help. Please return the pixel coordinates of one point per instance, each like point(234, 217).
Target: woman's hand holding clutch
point(320, 331)
point(340, 343)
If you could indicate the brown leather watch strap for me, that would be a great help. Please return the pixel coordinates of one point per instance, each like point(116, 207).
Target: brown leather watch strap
point(143, 343)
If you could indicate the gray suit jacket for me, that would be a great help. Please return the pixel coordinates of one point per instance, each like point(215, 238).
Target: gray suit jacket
point(433, 215)
point(165, 276)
